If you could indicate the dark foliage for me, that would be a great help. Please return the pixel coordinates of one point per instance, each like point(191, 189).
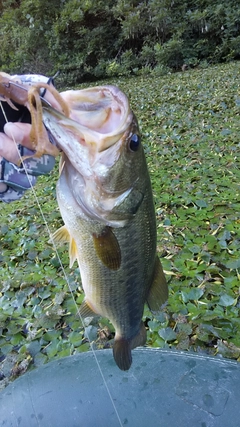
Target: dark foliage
point(91, 39)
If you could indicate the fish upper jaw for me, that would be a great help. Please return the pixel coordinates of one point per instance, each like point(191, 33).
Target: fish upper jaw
point(98, 117)
point(76, 150)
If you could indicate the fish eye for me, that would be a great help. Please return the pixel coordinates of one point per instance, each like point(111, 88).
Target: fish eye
point(134, 142)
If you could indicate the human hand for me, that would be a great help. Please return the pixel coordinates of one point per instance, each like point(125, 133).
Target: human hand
point(16, 176)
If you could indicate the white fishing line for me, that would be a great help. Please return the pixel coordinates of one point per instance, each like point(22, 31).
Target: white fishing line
point(65, 275)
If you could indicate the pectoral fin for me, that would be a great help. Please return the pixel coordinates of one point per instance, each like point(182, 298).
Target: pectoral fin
point(62, 236)
point(158, 293)
point(108, 249)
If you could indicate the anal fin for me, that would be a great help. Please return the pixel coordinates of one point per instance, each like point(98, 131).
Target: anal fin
point(158, 292)
point(86, 310)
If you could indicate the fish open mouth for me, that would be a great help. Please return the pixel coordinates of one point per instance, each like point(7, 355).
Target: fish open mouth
point(98, 117)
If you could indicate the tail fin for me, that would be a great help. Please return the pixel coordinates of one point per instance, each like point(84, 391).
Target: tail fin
point(122, 348)
point(122, 353)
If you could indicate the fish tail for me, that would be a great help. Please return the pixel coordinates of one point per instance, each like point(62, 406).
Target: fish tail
point(122, 353)
point(122, 348)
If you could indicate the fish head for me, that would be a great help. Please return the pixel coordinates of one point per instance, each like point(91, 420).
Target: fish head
point(103, 159)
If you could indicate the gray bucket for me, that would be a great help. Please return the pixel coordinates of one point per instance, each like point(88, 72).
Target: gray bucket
point(162, 389)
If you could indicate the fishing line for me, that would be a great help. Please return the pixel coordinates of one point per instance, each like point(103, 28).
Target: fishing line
point(65, 275)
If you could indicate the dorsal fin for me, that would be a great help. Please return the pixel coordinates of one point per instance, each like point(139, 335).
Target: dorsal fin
point(158, 292)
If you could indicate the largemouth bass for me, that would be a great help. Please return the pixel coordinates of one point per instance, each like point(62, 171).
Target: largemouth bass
point(105, 199)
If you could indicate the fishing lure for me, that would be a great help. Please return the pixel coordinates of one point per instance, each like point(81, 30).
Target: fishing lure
point(15, 93)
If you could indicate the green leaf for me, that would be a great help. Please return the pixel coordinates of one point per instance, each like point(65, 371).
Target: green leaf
point(75, 338)
point(233, 263)
point(227, 300)
point(193, 295)
point(6, 348)
point(52, 348)
point(167, 334)
point(91, 333)
point(16, 339)
point(201, 203)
